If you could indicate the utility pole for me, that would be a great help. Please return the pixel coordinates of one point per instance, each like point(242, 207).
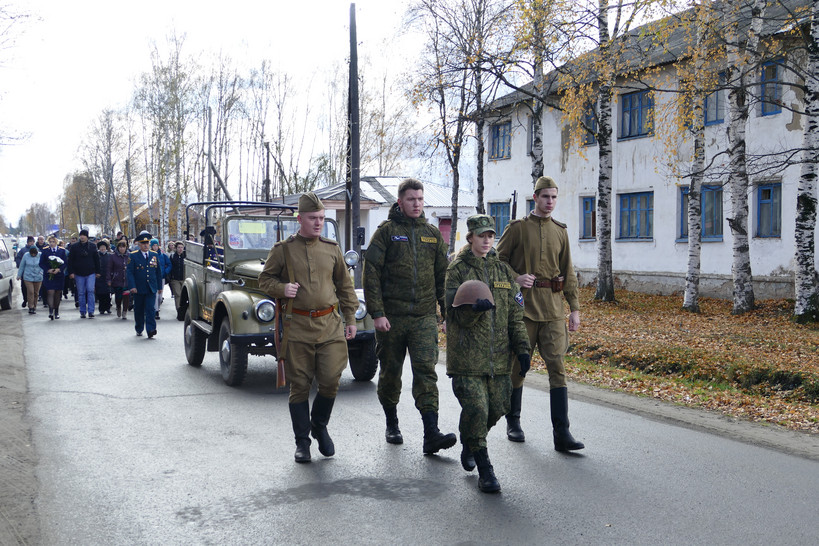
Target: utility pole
point(355, 160)
point(266, 182)
point(210, 177)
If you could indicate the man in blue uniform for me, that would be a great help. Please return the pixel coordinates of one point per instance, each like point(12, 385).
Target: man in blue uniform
point(144, 277)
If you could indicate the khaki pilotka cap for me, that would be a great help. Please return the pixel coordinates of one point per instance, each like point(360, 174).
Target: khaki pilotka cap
point(480, 223)
point(309, 202)
point(545, 182)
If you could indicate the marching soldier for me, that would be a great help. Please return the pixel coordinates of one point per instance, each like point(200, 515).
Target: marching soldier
point(309, 270)
point(144, 276)
point(537, 248)
point(404, 273)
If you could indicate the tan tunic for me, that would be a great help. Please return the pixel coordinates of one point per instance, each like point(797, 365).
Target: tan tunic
point(547, 243)
point(319, 268)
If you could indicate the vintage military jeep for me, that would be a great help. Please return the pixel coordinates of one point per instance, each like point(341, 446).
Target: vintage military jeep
point(221, 303)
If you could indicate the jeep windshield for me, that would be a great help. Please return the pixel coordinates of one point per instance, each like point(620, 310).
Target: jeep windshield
point(262, 234)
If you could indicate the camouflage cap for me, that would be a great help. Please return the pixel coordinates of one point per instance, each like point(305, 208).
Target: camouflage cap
point(472, 291)
point(309, 202)
point(480, 223)
point(545, 182)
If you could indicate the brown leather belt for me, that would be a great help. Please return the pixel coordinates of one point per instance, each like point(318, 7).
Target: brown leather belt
point(313, 313)
point(555, 284)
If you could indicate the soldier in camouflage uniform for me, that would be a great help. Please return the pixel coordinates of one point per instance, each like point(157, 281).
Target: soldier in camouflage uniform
point(484, 332)
point(404, 272)
point(537, 248)
point(316, 346)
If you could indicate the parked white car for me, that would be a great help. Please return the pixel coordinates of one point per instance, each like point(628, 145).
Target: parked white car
point(7, 271)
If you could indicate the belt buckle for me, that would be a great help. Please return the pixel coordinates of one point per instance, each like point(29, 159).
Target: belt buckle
point(313, 313)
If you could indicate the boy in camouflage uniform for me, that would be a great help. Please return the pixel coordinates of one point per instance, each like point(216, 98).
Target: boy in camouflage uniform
point(537, 248)
point(483, 332)
point(404, 272)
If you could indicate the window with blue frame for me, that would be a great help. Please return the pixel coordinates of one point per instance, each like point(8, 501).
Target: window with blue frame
point(714, 107)
point(771, 87)
point(636, 113)
point(590, 122)
point(500, 141)
point(589, 218)
point(530, 205)
point(711, 213)
point(769, 210)
point(500, 213)
point(636, 215)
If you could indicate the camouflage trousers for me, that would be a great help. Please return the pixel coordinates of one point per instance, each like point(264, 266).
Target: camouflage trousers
point(552, 340)
point(484, 399)
point(419, 336)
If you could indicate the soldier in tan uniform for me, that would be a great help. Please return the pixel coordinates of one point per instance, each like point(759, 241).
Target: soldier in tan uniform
point(310, 270)
point(537, 248)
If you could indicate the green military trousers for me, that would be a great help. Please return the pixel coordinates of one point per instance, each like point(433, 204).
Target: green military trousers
point(552, 340)
point(484, 399)
point(419, 336)
point(323, 361)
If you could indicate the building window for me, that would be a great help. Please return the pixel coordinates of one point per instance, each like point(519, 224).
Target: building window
point(500, 213)
point(711, 213)
point(769, 210)
point(500, 141)
point(637, 215)
point(590, 126)
point(589, 222)
point(771, 92)
point(714, 107)
point(636, 114)
point(530, 205)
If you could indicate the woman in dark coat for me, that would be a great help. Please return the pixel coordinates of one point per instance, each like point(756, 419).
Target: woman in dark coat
point(53, 278)
point(101, 287)
point(117, 280)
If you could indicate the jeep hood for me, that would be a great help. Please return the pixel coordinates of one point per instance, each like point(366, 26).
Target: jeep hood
point(250, 268)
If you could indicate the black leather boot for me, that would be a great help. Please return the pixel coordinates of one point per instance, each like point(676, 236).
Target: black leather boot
point(434, 439)
point(393, 433)
point(300, 416)
point(513, 430)
point(559, 401)
point(467, 458)
point(487, 482)
point(322, 408)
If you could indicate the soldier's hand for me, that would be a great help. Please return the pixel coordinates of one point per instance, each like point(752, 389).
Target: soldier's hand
point(525, 363)
point(349, 331)
point(527, 280)
point(291, 289)
point(574, 321)
point(381, 324)
point(482, 305)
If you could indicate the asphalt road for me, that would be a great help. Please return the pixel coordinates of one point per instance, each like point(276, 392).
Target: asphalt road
point(136, 447)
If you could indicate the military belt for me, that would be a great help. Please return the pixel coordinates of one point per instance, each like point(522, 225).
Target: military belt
point(555, 284)
point(313, 313)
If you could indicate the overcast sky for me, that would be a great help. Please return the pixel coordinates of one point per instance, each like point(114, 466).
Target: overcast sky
point(78, 57)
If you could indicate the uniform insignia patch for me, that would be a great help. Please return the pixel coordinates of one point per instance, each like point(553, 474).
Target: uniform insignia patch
point(503, 284)
point(429, 240)
point(519, 299)
point(402, 238)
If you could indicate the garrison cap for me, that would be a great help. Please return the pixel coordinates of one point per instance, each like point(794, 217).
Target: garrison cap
point(470, 292)
point(480, 223)
point(143, 237)
point(309, 202)
point(545, 182)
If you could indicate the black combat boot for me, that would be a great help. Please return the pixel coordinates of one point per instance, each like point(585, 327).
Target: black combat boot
point(559, 401)
point(487, 482)
point(322, 408)
point(300, 416)
point(434, 439)
point(513, 430)
point(393, 433)
point(467, 458)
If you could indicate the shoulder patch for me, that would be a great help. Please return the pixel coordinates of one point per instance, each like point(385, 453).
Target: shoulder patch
point(519, 299)
point(328, 241)
point(559, 223)
point(400, 238)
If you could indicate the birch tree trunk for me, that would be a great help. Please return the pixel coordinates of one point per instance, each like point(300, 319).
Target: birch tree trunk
point(741, 59)
point(537, 119)
point(605, 276)
point(806, 278)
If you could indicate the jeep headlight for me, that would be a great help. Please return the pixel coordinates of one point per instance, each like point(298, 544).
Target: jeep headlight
point(265, 310)
point(361, 312)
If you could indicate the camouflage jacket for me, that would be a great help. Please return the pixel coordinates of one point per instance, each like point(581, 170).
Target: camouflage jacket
point(405, 267)
point(484, 343)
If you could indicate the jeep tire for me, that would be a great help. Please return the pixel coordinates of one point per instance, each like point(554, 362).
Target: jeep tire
point(363, 360)
point(232, 357)
point(5, 303)
point(195, 342)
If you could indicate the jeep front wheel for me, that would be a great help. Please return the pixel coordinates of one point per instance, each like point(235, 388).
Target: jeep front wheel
point(363, 361)
point(232, 357)
point(195, 341)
